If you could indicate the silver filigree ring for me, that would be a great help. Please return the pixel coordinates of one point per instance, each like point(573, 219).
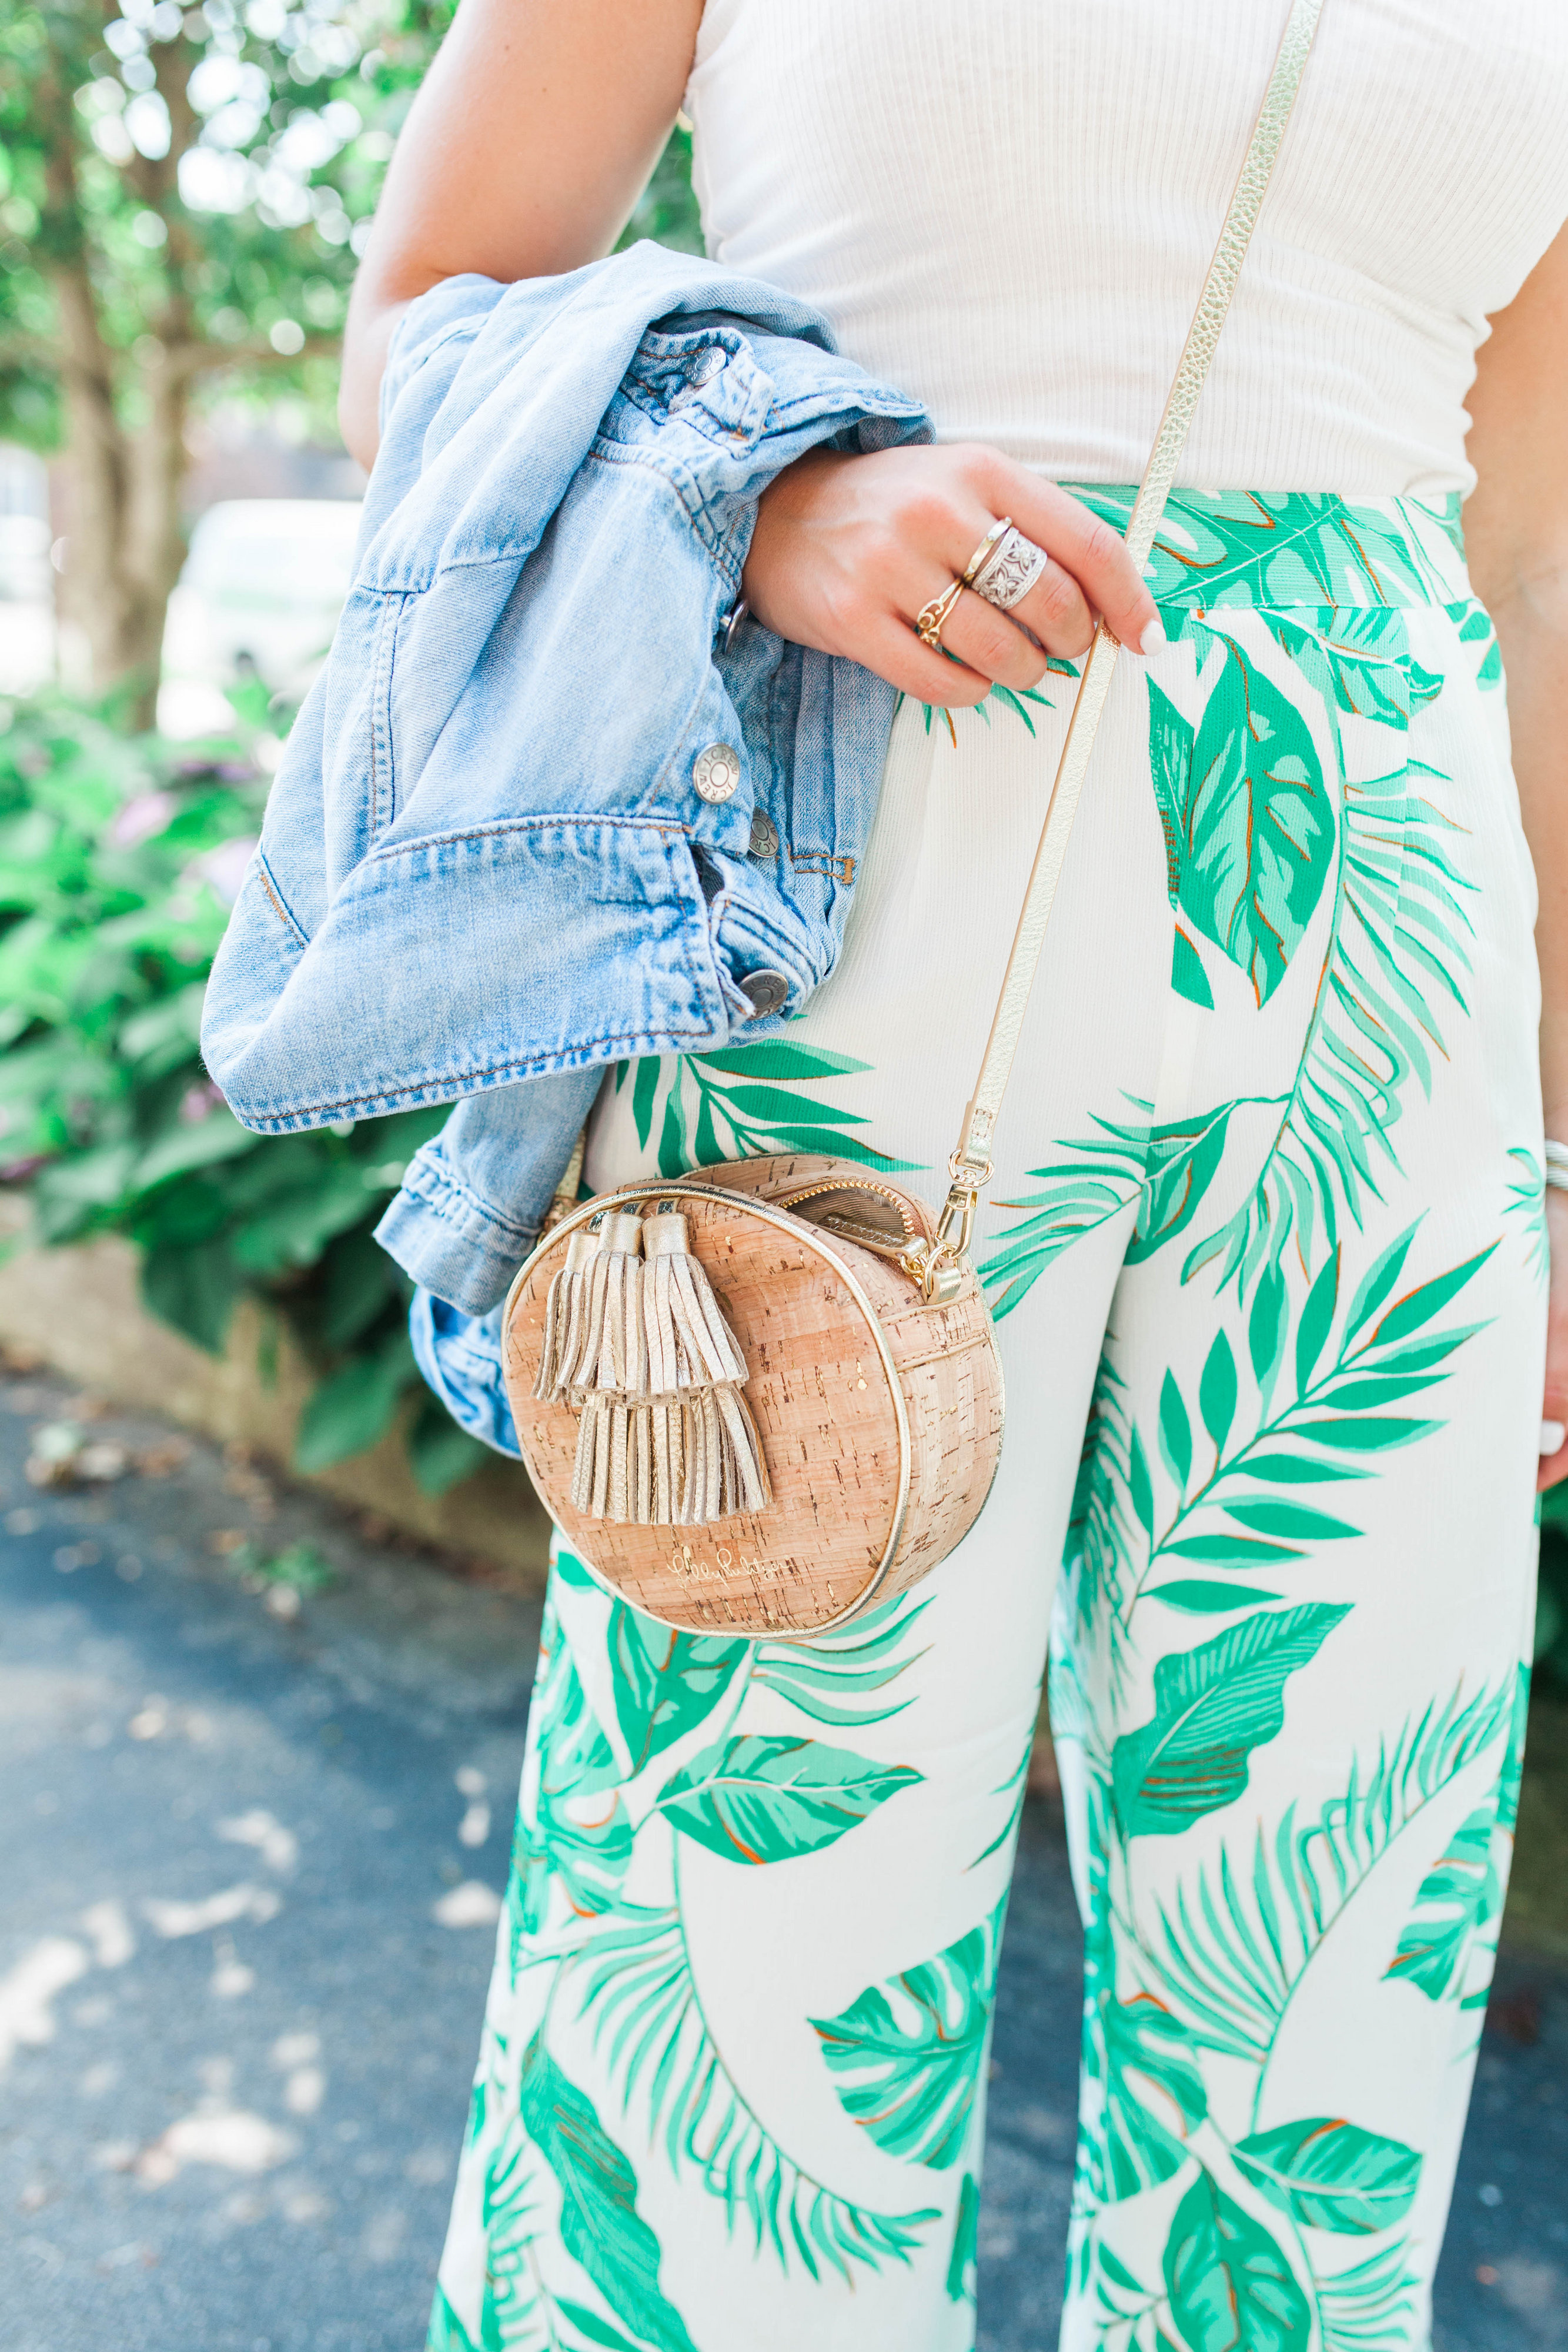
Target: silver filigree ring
point(1011, 570)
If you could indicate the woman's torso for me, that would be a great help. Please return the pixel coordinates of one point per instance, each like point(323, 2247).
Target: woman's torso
point(1007, 206)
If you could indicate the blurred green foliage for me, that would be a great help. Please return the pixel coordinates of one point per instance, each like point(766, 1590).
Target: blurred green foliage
point(216, 168)
point(207, 172)
point(212, 170)
point(118, 856)
point(1551, 1607)
point(667, 209)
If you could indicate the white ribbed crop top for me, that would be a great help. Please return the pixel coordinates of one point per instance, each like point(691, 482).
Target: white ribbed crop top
point(1006, 207)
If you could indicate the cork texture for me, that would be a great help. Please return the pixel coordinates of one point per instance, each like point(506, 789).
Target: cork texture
point(825, 1405)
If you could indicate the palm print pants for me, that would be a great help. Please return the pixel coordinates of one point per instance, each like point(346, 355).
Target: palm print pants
point(1267, 1254)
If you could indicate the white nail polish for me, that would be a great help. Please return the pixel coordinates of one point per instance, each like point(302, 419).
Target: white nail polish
point(1153, 639)
point(1552, 1433)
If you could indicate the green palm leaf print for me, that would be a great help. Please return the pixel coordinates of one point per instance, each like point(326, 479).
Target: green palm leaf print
point(1095, 1180)
point(838, 1678)
point(758, 1797)
point(1474, 625)
point(1018, 702)
point(1395, 952)
point(742, 1103)
point(962, 2261)
point(639, 1989)
point(1123, 2303)
point(1098, 1564)
point(447, 2333)
point(1234, 1946)
point(1367, 2308)
point(1212, 1706)
point(1346, 657)
point(1245, 808)
point(908, 2052)
point(1154, 2093)
point(664, 1683)
point(1458, 1896)
point(519, 2311)
point(1171, 1166)
point(1331, 2175)
point(1245, 547)
point(1334, 1416)
point(574, 1832)
point(600, 2227)
point(1526, 1203)
point(1230, 2286)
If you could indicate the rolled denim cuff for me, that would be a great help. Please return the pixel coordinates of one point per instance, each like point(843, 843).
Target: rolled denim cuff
point(451, 1239)
point(474, 1196)
point(460, 1356)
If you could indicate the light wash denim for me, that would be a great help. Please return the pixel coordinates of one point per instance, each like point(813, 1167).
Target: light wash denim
point(485, 859)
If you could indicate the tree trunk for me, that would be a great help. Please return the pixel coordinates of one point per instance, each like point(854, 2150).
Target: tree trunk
point(124, 546)
point(123, 543)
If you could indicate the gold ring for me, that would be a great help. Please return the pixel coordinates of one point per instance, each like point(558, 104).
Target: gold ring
point(931, 618)
point(998, 531)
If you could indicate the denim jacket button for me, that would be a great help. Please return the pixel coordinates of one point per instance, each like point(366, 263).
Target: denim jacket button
point(768, 992)
point(764, 842)
point(715, 773)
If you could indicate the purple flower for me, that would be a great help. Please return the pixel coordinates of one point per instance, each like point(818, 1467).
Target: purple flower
point(140, 818)
point(198, 1102)
point(224, 869)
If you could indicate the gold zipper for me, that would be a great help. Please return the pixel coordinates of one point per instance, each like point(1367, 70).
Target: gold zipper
point(855, 1184)
point(912, 1259)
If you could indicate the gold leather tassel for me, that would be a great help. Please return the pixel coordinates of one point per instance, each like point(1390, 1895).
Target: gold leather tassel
point(635, 1338)
point(564, 1309)
point(615, 1474)
point(690, 1345)
point(613, 1359)
point(605, 1369)
point(726, 1474)
point(696, 1362)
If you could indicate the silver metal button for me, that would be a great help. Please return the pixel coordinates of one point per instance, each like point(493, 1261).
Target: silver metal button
point(764, 842)
point(715, 773)
point(707, 365)
point(768, 992)
point(738, 611)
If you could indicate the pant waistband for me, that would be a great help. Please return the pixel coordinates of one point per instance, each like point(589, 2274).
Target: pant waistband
point(1276, 549)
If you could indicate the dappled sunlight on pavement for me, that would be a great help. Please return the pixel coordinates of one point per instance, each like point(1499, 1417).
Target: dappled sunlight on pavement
point(259, 1774)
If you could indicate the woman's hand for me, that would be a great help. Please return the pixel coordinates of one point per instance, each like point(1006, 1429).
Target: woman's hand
point(1554, 1404)
point(847, 550)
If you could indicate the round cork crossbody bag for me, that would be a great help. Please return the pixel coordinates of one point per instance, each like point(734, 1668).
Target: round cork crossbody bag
point(763, 1397)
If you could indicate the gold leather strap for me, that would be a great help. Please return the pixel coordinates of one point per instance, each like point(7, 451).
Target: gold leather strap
point(970, 1166)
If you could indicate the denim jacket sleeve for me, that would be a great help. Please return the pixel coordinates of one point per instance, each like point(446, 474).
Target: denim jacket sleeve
point(460, 1356)
point(487, 873)
point(472, 1199)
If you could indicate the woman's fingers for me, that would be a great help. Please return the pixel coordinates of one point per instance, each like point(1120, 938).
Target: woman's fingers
point(987, 641)
point(846, 550)
point(1082, 547)
point(1058, 612)
point(890, 648)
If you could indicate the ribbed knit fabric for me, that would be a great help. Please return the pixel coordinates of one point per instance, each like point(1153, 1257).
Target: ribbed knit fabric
point(1007, 206)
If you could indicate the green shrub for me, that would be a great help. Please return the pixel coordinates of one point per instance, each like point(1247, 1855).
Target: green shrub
point(1552, 1605)
point(118, 856)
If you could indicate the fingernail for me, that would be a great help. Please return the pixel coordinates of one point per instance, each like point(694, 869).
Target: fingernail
point(1552, 1433)
point(1153, 639)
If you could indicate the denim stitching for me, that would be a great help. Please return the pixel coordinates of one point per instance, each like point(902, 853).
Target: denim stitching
point(275, 896)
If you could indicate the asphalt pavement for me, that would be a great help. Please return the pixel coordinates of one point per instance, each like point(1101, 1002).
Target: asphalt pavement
point(259, 1775)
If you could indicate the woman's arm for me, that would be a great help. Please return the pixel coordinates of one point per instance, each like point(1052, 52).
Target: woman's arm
point(523, 153)
point(531, 141)
point(1516, 530)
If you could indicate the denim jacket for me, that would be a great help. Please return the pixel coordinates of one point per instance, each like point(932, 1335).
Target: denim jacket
point(536, 813)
